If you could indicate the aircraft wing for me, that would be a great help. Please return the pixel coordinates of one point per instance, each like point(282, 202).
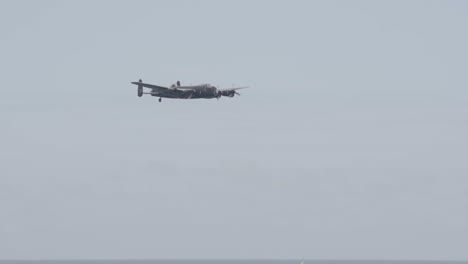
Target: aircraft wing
point(233, 89)
point(151, 86)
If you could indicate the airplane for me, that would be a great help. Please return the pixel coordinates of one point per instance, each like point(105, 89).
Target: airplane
point(177, 91)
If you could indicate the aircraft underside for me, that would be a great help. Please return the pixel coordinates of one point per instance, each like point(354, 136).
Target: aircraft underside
point(194, 94)
point(186, 96)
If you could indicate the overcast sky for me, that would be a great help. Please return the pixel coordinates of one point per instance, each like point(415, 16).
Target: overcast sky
point(351, 142)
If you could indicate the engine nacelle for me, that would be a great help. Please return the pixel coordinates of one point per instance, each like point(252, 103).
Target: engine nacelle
point(227, 93)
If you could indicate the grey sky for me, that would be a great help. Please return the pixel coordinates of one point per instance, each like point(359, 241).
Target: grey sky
point(351, 143)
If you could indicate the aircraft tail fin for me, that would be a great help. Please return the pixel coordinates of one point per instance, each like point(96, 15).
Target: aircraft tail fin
point(140, 89)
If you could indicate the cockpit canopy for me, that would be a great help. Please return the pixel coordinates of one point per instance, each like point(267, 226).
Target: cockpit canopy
point(207, 85)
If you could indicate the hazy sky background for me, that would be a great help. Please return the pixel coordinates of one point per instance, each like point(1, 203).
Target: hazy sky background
point(351, 143)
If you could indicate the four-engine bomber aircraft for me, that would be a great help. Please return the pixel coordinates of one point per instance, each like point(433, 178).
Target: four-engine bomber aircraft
point(206, 91)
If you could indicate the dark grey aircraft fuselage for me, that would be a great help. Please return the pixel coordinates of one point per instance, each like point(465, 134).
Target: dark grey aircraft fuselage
point(188, 92)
